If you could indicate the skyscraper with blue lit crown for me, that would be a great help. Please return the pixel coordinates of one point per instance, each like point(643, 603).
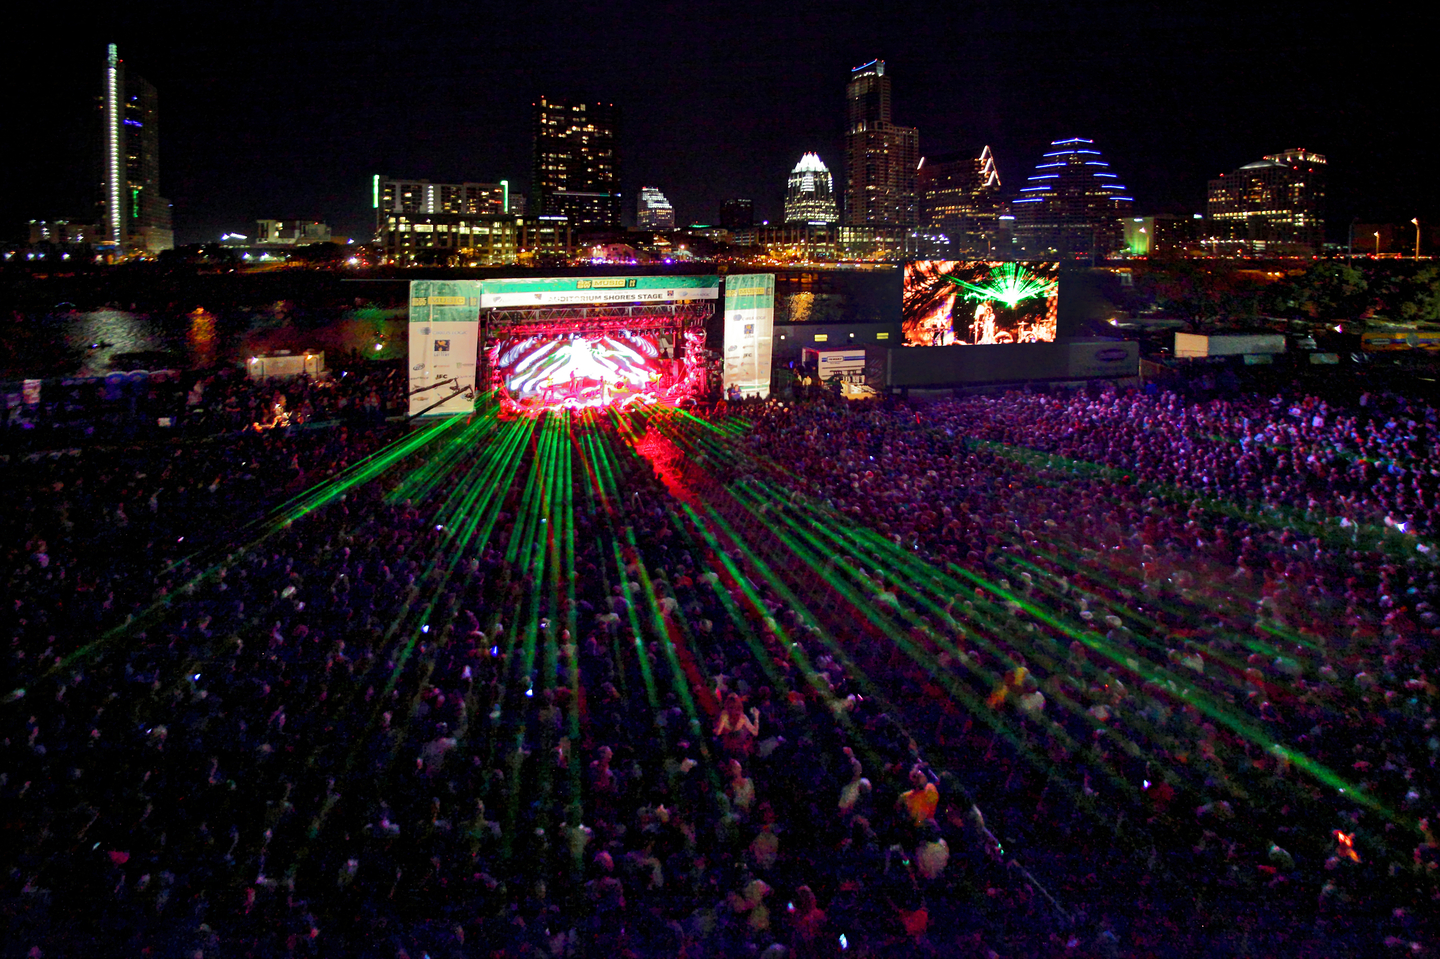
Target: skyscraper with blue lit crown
point(1071, 206)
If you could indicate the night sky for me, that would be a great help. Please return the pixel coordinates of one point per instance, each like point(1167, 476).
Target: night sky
point(287, 109)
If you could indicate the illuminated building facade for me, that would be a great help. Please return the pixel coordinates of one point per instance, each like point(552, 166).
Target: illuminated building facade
point(1149, 235)
point(1275, 205)
point(810, 193)
point(291, 232)
point(1072, 205)
point(391, 195)
point(653, 211)
point(134, 217)
point(62, 233)
point(576, 170)
point(546, 238)
point(475, 220)
point(478, 239)
point(880, 157)
point(960, 199)
point(805, 241)
point(878, 244)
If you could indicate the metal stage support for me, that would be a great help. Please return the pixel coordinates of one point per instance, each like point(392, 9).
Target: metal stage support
point(482, 370)
point(445, 399)
point(634, 318)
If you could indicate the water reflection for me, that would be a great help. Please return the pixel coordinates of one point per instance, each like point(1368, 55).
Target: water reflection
point(86, 343)
point(816, 308)
point(200, 337)
point(800, 306)
point(98, 336)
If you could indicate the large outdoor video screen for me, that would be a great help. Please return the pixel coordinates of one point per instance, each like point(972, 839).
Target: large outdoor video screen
point(969, 303)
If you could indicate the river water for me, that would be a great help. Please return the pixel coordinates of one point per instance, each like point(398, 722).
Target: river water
point(71, 343)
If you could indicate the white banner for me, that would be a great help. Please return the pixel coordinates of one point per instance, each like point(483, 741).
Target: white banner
point(749, 331)
point(444, 344)
point(442, 351)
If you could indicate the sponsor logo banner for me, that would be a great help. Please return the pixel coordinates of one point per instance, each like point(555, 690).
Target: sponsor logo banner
point(749, 331)
point(444, 343)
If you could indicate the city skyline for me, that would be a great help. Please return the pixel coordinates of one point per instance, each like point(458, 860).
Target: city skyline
point(1176, 97)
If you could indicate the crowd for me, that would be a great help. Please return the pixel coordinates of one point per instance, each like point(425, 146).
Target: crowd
point(1215, 580)
point(992, 677)
point(133, 406)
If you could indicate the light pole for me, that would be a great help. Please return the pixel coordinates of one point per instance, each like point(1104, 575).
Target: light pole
point(1377, 243)
point(1416, 221)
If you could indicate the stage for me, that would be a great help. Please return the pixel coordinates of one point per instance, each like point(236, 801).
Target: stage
point(595, 356)
point(558, 343)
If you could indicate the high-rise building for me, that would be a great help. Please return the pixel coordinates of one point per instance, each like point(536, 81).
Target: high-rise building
point(880, 157)
point(810, 193)
point(476, 222)
point(737, 214)
point(392, 195)
point(576, 171)
point(1274, 205)
point(1072, 205)
point(653, 211)
point(960, 198)
point(134, 217)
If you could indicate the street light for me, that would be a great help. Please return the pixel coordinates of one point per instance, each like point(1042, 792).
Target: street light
point(1416, 221)
point(1377, 242)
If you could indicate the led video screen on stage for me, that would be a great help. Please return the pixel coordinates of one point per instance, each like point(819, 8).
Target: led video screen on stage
point(969, 303)
point(613, 369)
